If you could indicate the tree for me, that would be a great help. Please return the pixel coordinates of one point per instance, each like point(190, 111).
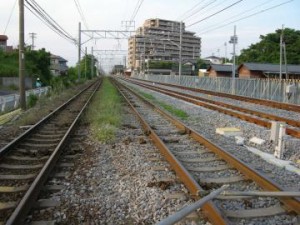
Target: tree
point(267, 50)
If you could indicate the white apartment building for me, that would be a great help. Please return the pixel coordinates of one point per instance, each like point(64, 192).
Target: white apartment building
point(159, 40)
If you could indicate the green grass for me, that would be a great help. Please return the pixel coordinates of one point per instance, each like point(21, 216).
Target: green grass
point(104, 113)
point(171, 109)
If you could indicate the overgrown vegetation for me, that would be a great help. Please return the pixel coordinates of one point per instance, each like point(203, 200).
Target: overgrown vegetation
point(32, 100)
point(267, 50)
point(104, 113)
point(171, 109)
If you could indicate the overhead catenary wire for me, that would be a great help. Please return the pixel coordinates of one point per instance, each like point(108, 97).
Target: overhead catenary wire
point(248, 16)
point(10, 15)
point(222, 10)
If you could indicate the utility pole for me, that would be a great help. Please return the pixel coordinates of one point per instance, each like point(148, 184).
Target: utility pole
point(180, 52)
point(233, 40)
point(285, 61)
point(280, 59)
point(85, 62)
point(33, 36)
point(92, 63)
point(79, 50)
point(225, 44)
point(21, 56)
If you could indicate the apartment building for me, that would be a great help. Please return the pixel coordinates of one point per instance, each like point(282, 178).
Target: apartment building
point(159, 40)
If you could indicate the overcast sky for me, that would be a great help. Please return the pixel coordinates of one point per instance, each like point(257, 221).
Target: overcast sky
point(109, 14)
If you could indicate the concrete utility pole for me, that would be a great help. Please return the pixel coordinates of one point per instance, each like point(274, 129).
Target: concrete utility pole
point(21, 56)
point(92, 63)
point(280, 59)
point(225, 44)
point(233, 40)
point(79, 50)
point(180, 52)
point(33, 36)
point(85, 62)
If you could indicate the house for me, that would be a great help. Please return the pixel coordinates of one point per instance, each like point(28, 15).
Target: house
point(216, 70)
point(267, 70)
point(58, 65)
point(213, 60)
point(3, 44)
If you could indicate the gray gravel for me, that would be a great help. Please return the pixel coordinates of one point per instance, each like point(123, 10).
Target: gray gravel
point(206, 121)
point(116, 183)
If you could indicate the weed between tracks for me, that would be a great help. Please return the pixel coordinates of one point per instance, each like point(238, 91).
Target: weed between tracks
point(104, 113)
point(171, 109)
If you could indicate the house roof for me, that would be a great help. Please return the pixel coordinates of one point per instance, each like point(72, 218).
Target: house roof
point(61, 59)
point(220, 68)
point(271, 68)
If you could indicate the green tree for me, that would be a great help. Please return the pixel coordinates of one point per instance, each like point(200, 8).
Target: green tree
point(267, 50)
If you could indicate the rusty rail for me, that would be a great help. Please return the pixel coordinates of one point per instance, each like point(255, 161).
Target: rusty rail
point(213, 105)
point(291, 203)
point(265, 102)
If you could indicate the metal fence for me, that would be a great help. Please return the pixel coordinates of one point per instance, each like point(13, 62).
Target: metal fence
point(287, 91)
point(10, 102)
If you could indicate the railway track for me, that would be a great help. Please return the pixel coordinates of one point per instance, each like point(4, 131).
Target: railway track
point(203, 166)
point(27, 161)
point(264, 102)
point(256, 117)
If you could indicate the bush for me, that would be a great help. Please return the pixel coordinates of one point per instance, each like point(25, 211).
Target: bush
point(32, 100)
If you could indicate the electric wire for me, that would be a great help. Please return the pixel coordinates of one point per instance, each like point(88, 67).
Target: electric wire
point(10, 15)
point(227, 7)
point(40, 13)
point(237, 15)
point(199, 10)
point(248, 16)
point(79, 9)
point(137, 8)
point(190, 10)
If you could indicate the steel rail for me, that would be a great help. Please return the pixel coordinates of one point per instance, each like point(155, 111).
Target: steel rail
point(10, 145)
point(291, 203)
point(198, 101)
point(28, 200)
point(211, 211)
point(265, 102)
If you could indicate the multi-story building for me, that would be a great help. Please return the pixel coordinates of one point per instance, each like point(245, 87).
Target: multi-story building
point(159, 40)
point(58, 65)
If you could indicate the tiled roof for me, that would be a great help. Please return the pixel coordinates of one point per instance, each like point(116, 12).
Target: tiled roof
point(271, 68)
point(220, 68)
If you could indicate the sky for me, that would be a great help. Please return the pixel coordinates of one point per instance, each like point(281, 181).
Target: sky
point(217, 20)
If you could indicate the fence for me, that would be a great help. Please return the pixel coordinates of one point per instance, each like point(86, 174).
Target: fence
point(287, 91)
point(10, 102)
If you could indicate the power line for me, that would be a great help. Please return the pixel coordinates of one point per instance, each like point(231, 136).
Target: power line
point(234, 16)
point(39, 12)
point(10, 15)
point(79, 9)
point(215, 13)
point(137, 8)
point(191, 9)
point(199, 10)
point(245, 17)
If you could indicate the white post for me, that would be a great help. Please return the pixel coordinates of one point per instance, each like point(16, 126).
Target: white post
point(279, 149)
